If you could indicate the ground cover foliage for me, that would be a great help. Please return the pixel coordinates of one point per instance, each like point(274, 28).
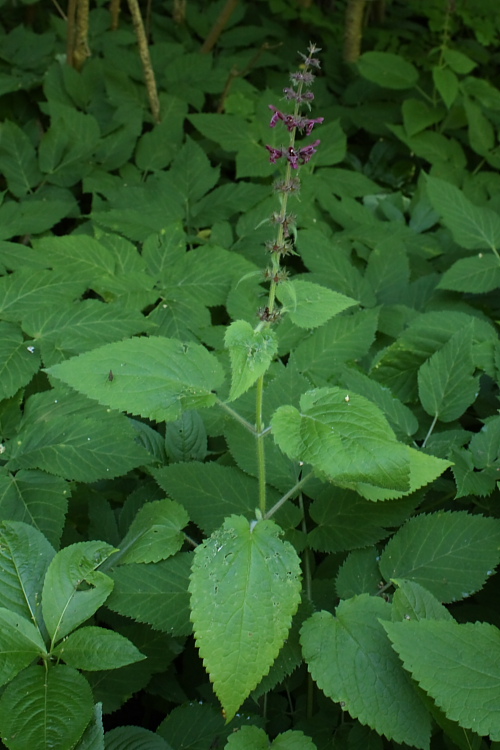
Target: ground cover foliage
point(249, 492)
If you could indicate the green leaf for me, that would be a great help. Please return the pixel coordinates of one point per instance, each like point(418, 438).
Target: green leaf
point(351, 660)
point(209, 491)
point(457, 665)
point(412, 602)
point(18, 160)
point(19, 360)
point(194, 725)
point(245, 588)
point(35, 214)
point(346, 437)
point(479, 274)
point(451, 554)
point(346, 520)
point(388, 70)
point(186, 438)
point(93, 736)
point(446, 385)
point(468, 479)
point(344, 338)
point(333, 147)
point(473, 227)
point(93, 648)
point(458, 62)
point(251, 352)
point(134, 738)
point(254, 738)
point(78, 448)
point(45, 708)
point(192, 173)
point(310, 305)
point(154, 377)
point(20, 644)
point(447, 84)
point(36, 498)
point(67, 146)
point(418, 116)
point(25, 291)
point(73, 588)
point(156, 593)
point(25, 555)
point(155, 533)
point(358, 574)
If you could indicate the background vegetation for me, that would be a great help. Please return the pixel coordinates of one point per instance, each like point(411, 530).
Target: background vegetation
point(135, 199)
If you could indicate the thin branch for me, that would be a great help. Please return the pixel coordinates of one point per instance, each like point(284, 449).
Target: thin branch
point(149, 75)
point(218, 27)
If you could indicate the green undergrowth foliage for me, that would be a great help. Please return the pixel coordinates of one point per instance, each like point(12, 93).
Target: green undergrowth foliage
point(249, 379)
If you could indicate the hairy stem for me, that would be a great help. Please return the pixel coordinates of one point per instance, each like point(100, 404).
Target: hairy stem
point(237, 417)
point(261, 456)
point(298, 486)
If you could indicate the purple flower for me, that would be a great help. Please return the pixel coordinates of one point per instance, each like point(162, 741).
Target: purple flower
point(293, 122)
point(302, 77)
point(304, 98)
point(296, 156)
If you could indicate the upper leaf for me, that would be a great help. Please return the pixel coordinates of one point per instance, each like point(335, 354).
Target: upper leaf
point(245, 588)
point(251, 353)
point(20, 644)
point(457, 664)
point(352, 661)
point(93, 648)
point(154, 377)
point(450, 554)
point(73, 589)
point(155, 533)
point(344, 436)
point(310, 305)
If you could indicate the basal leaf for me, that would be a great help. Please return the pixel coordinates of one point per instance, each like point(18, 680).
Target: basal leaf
point(155, 533)
point(20, 644)
point(445, 382)
point(344, 436)
point(18, 159)
point(96, 649)
point(156, 594)
point(473, 227)
point(210, 492)
point(45, 709)
point(251, 352)
point(450, 554)
point(26, 290)
point(73, 588)
point(67, 146)
point(457, 664)
point(351, 660)
point(19, 360)
point(245, 588)
point(36, 498)
point(479, 274)
point(192, 172)
point(78, 448)
point(310, 305)
point(154, 377)
point(25, 555)
point(81, 255)
point(134, 738)
point(248, 738)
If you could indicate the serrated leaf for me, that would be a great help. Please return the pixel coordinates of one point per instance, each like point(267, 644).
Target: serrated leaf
point(134, 738)
point(78, 448)
point(210, 492)
point(155, 533)
point(342, 339)
point(95, 649)
point(479, 274)
point(310, 305)
point(245, 588)
point(358, 574)
point(388, 70)
point(154, 377)
point(93, 736)
point(445, 383)
point(156, 594)
point(254, 738)
point(351, 660)
point(412, 602)
point(194, 725)
point(25, 555)
point(192, 172)
point(469, 481)
point(345, 437)
point(251, 352)
point(67, 146)
point(73, 588)
point(450, 554)
point(20, 644)
point(45, 709)
point(18, 159)
point(19, 361)
point(473, 227)
point(186, 438)
point(346, 521)
point(447, 84)
point(26, 290)
point(457, 665)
